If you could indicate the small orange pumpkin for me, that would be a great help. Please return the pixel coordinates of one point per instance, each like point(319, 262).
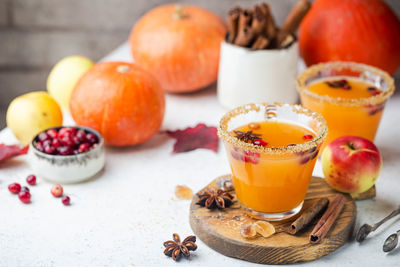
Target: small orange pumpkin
point(365, 31)
point(120, 100)
point(179, 46)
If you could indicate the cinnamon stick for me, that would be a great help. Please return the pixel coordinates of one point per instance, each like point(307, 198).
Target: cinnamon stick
point(258, 22)
point(245, 34)
point(295, 16)
point(307, 216)
point(233, 18)
point(284, 39)
point(271, 29)
point(260, 43)
point(244, 37)
point(325, 223)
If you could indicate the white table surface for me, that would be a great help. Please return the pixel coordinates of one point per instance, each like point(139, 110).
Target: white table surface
point(122, 217)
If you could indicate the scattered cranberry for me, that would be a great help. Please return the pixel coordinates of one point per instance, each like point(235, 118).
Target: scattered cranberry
point(14, 188)
point(24, 196)
point(91, 138)
point(66, 200)
point(260, 142)
point(31, 179)
point(52, 133)
point(308, 137)
point(57, 190)
point(25, 188)
point(84, 147)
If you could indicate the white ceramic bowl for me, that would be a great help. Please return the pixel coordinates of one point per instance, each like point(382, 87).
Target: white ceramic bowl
point(68, 169)
point(246, 76)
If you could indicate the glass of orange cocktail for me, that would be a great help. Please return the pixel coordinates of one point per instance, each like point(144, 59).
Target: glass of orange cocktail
point(350, 96)
point(272, 149)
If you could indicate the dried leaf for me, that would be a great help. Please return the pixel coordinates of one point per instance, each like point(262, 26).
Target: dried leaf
point(9, 151)
point(190, 139)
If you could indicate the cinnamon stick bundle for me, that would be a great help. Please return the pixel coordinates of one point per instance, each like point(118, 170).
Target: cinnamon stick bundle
point(307, 216)
point(255, 28)
point(328, 218)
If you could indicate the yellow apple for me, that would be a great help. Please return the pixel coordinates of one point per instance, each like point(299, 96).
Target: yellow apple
point(64, 75)
point(29, 114)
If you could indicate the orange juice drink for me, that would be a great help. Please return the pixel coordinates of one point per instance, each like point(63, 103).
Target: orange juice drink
point(272, 151)
point(350, 96)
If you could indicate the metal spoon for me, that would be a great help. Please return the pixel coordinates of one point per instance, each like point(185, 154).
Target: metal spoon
point(391, 242)
point(366, 229)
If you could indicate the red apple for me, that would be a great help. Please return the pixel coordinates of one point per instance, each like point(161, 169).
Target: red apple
point(351, 164)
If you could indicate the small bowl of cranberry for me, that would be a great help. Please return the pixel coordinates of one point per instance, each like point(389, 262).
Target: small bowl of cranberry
point(67, 154)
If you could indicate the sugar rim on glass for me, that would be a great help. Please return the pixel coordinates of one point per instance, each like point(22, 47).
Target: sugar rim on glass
point(226, 136)
point(339, 65)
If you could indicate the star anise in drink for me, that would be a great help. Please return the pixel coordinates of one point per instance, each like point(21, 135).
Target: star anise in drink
point(248, 137)
point(175, 248)
point(211, 199)
point(341, 84)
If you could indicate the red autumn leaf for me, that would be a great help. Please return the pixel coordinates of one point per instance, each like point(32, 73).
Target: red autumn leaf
point(9, 151)
point(190, 139)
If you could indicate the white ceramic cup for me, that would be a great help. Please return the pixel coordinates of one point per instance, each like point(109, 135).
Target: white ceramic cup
point(247, 76)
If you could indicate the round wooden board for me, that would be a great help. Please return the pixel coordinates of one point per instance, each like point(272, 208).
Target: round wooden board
point(219, 230)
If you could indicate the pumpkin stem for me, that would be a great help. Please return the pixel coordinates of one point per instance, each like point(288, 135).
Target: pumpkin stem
point(123, 68)
point(179, 12)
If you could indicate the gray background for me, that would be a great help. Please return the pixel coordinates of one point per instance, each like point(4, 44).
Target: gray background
point(35, 34)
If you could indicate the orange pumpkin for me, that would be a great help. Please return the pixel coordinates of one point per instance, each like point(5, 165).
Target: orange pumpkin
point(365, 31)
point(120, 100)
point(179, 46)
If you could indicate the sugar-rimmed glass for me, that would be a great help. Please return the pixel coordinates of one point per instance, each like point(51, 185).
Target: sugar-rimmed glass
point(273, 182)
point(347, 116)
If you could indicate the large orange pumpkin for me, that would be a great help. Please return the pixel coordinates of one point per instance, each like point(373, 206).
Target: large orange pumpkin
point(120, 100)
point(365, 31)
point(179, 46)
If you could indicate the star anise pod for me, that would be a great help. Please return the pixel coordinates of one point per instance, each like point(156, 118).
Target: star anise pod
point(175, 248)
point(248, 137)
point(211, 199)
point(342, 84)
